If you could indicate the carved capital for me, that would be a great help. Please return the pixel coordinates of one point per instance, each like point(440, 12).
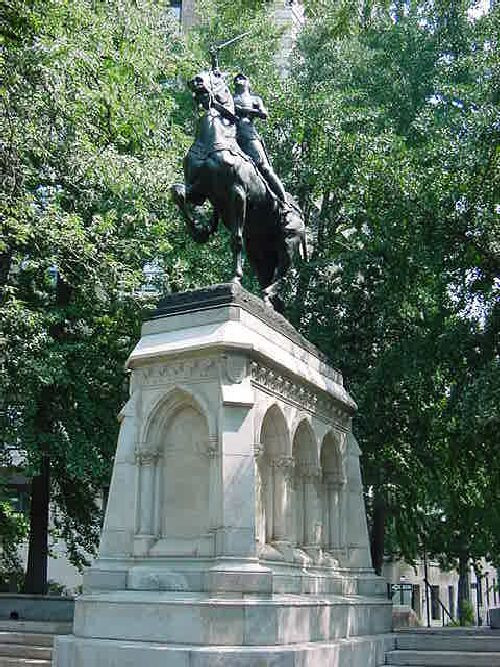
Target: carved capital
point(309, 471)
point(284, 463)
point(212, 450)
point(258, 451)
point(146, 457)
point(334, 480)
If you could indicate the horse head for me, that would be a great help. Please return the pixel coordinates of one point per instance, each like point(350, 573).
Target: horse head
point(209, 85)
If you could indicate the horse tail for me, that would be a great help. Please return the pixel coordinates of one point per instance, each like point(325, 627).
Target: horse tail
point(214, 222)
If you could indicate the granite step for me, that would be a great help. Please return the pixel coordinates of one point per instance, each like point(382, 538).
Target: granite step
point(449, 642)
point(443, 658)
point(37, 627)
point(25, 651)
point(26, 638)
point(23, 662)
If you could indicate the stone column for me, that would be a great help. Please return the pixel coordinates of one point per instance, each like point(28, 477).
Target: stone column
point(158, 495)
point(311, 506)
point(147, 467)
point(341, 513)
point(327, 517)
point(260, 489)
point(215, 482)
point(334, 538)
point(297, 504)
point(282, 469)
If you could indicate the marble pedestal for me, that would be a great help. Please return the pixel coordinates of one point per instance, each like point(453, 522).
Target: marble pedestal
point(235, 531)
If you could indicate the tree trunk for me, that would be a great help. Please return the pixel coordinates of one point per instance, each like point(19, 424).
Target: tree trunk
point(463, 586)
point(36, 574)
point(378, 532)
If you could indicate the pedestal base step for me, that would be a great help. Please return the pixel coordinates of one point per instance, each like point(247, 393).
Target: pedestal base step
point(367, 651)
point(249, 620)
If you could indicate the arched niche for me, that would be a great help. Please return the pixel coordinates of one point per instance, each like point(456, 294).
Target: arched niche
point(274, 435)
point(333, 493)
point(166, 404)
point(306, 497)
point(175, 472)
point(273, 472)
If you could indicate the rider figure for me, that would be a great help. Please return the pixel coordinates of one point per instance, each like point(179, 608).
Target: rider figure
point(249, 106)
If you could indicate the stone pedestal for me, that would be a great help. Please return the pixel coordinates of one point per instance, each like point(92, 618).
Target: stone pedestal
point(235, 531)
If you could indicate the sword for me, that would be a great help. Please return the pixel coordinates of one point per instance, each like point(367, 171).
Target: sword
point(215, 48)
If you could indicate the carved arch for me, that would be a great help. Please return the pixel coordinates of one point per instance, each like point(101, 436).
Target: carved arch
point(175, 475)
point(306, 505)
point(273, 476)
point(304, 443)
point(165, 407)
point(274, 435)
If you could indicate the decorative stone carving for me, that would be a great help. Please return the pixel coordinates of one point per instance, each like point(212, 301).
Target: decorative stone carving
point(146, 457)
point(308, 470)
point(298, 394)
point(334, 480)
point(235, 367)
point(258, 451)
point(186, 369)
point(212, 449)
point(282, 462)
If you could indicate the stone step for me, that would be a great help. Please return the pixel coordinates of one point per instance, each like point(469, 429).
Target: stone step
point(26, 638)
point(442, 659)
point(23, 662)
point(39, 627)
point(196, 618)
point(23, 651)
point(449, 642)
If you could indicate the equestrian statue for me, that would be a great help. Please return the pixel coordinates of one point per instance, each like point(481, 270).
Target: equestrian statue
point(228, 166)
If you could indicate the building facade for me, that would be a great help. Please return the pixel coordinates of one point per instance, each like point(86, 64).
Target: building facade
point(432, 606)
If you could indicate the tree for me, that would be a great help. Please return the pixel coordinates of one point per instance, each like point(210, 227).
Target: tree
point(387, 133)
point(90, 129)
point(96, 120)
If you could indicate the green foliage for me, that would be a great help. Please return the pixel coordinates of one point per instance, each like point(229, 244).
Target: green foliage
point(387, 132)
point(13, 529)
point(466, 613)
point(95, 122)
point(90, 149)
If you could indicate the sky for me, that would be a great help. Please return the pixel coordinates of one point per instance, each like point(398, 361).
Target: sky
point(481, 8)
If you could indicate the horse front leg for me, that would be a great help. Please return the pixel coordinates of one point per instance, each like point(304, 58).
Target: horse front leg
point(271, 292)
point(237, 217)
point(179, 197)
point(186, 197)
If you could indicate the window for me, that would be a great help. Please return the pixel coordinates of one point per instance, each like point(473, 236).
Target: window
point(19, 497)
point(451, 600)
point(176, 7)
point(435, 611)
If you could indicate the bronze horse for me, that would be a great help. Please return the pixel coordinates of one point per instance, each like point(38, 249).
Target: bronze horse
point(217, 170)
